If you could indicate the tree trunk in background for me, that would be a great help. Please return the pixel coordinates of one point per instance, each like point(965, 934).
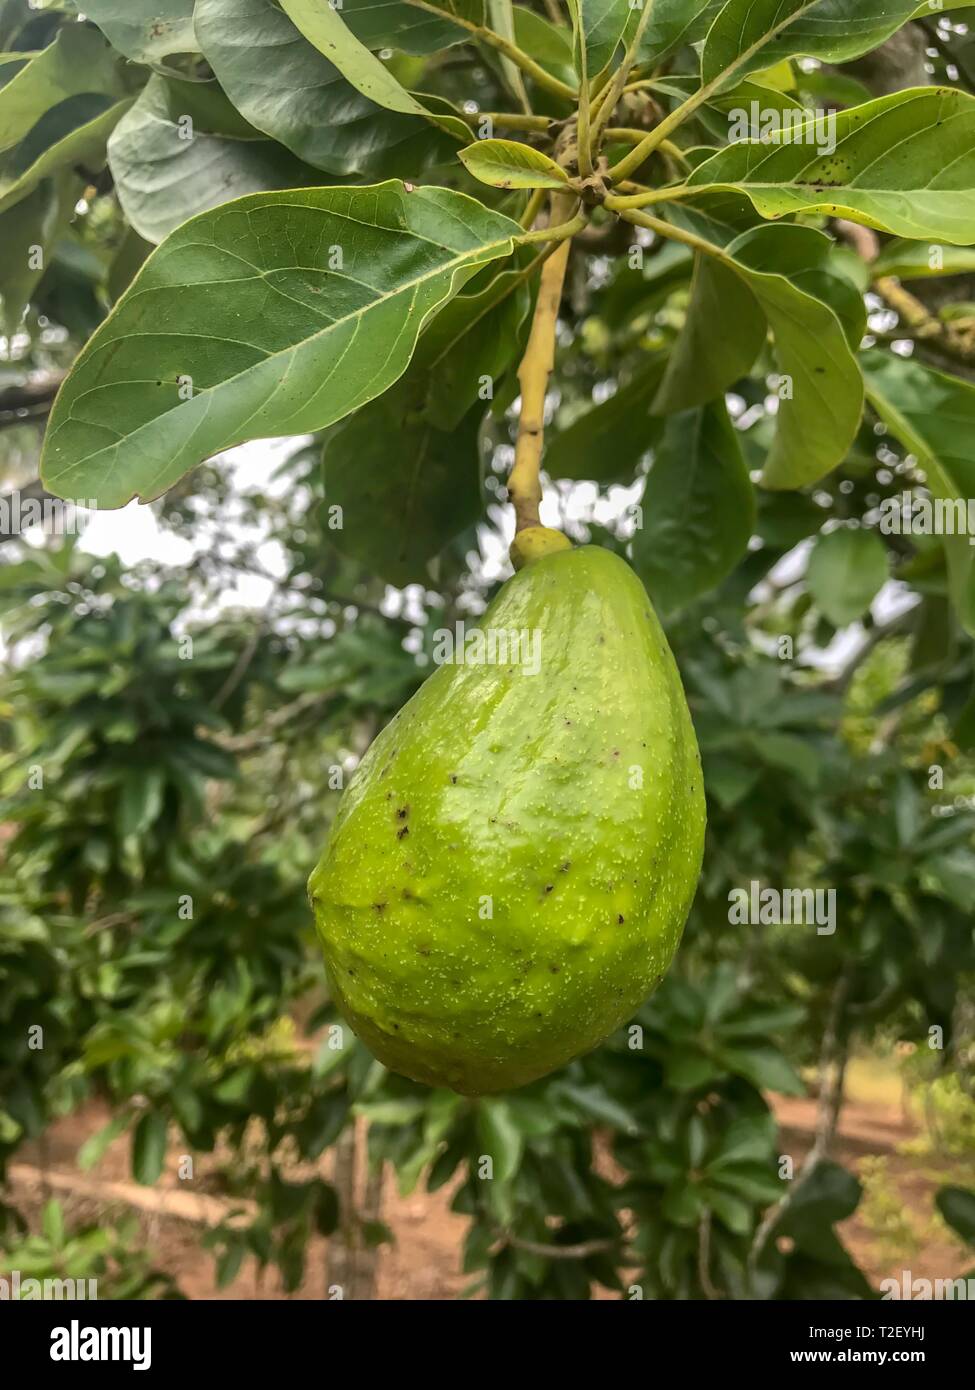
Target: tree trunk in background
point(340, 1258)
point(350, 1263)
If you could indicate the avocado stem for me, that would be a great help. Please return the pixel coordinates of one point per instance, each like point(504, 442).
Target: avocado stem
point(524, 482)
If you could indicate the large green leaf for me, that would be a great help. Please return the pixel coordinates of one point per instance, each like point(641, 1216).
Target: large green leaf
point(183, 149)
point(276, 314)
point(750, 34)
point(600, 27)
point(723, 333)
point(608, 441)
point(933, 415)
point(146, 30)
point(404, 487)
point(698, 508)
point(324, 28)
point(847, 569)
point(904, 164)
point(78, 61)
point(820, 387)
point(283, 86)
point(72, 135)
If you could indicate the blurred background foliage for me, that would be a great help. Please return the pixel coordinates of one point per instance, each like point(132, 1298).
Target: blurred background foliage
point(170, 758)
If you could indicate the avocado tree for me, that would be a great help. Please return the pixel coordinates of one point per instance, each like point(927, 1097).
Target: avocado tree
point(699, 265)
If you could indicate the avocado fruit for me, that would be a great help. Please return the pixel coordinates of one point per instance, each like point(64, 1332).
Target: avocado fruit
point(511, 866)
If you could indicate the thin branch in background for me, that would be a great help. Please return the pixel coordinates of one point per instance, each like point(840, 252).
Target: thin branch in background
point(833, 1057)
point(31, 401)
point(704, 1255)
point(581, 1251)
point(926, 329)
point(12, 503)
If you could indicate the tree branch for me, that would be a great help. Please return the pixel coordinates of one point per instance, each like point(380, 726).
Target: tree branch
point(524, 483)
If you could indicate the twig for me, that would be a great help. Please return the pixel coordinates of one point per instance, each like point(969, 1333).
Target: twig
point(581, 1251)
point(833, 1057)
point(926, 329)
point(704, 1255)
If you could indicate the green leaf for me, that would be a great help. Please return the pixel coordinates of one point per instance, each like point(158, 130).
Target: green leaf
point(750, 34)
point(500, 16)
point(183, 149)
point(830, 1194)
point(698, 508)
point(847, 569)
point(96, 1145)
point(682, 1203)
point(277, 314)
point(765, 1067)
point(500, 1137)
point(830, 283)
point(687, 1071)
point(404, 487)
point(398, 24)
point(933, 415)
point(789, 753)
point(303, 101)
point(903, 164)
point(674, 24)
point(323, 1123)
point(820, 386)
point(79, 61)
point(730, 1210)
point(140, 801)
point(474, 339)
point(597, 1103)
point(28, 231)
point(127, 261)
point(509, 164)
point(146, 30)
point(71, 135)
point(600, 28)
point(545, 42)
point(957, 1206)
point(324, 28)
point(916, 260)
point(149, 1148)
point(608, 441)
point(52, 1224)
point(723, 333)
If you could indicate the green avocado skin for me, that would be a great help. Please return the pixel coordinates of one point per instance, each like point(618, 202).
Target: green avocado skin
point(511, 867)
